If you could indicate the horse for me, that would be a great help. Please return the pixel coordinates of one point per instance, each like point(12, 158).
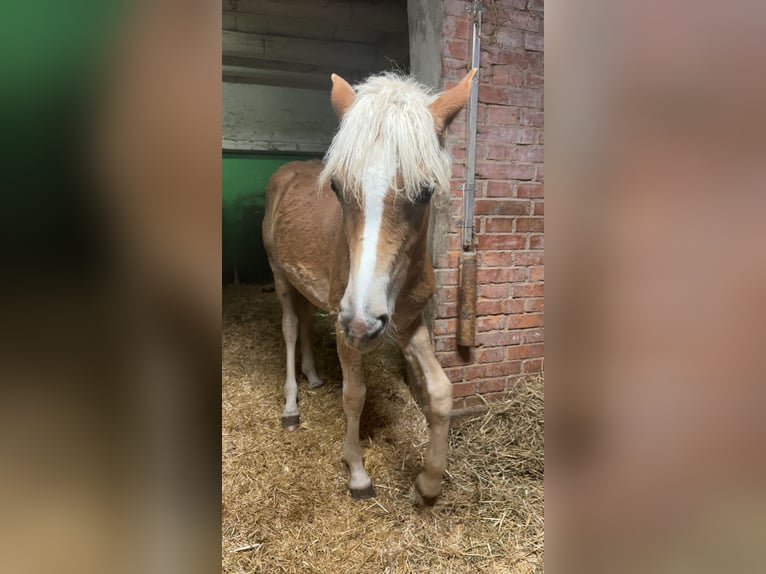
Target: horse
point(349, 235)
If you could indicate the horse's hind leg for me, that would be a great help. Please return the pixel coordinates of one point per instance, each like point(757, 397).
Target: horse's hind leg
point(288, 297)
point(306, 316)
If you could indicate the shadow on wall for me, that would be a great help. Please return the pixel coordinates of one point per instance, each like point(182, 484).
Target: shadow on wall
point(244, 179)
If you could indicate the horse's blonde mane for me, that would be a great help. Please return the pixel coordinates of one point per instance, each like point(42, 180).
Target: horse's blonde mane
point(388, 122)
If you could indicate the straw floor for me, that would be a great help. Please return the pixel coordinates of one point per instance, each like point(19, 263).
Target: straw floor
point(286, 507)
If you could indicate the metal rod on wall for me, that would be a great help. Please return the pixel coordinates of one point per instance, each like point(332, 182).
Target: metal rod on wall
point(466, 327)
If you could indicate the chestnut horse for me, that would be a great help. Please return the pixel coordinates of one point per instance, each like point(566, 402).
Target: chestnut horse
point(350, 236)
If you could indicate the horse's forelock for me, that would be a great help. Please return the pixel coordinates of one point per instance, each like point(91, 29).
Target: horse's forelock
point(390, 125)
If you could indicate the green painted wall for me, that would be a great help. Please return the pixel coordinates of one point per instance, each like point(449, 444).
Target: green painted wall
point(244, 179)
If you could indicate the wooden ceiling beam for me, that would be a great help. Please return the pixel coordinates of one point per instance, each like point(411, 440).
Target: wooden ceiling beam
point(304, 80)
point(389, 16)
point(324, 53)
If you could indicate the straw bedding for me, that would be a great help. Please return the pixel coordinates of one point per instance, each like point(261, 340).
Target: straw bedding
point(286, 507)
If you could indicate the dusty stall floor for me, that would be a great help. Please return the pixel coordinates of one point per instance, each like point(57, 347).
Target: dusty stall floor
point(285, 502)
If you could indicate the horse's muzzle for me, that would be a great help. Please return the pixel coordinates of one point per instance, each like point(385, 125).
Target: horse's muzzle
point(361, 332)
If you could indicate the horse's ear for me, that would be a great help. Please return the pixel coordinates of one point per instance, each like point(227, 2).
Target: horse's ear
point(342, 95)
point(446, 107)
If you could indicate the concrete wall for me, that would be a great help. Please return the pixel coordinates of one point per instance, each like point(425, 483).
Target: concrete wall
point(426, 20)
point(276, 119)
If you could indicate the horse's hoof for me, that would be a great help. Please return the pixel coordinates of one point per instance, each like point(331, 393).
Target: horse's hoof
point(315, 383)
point(362, 493)
point(419, 499)
point(291, 423)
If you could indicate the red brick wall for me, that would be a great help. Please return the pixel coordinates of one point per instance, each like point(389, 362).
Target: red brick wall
point(509, 204)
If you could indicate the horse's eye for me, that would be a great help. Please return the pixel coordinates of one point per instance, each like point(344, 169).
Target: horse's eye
point(426, 191)
point(334, 186)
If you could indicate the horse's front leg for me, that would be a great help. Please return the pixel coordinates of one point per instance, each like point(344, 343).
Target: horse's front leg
point(354, 391)
point(419, 352)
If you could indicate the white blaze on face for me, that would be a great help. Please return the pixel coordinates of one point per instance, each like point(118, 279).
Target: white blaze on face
point(376, 182)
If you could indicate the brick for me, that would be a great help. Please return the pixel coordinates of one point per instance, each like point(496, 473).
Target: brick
point(456, 49)
point(447, 276)
point(528, 153)
point(458, 153)
point(494, 307)
point(537, 242)
point(502, 275)
point(454, 374)
point(491, 355)
point(538, 208)
point(529, 224)
point(501, 207)
point(491, 94)
point(454, 68)
point(537, 273)
point(490, 323)
point(532, 366)
point(499, 189)
point(495, 258)
point(473, 401)
point(458, 404)
point(502, 241)
point(533, 42)
point(493, 291)
point(524, 351)
point(533, 79)
point(498, 225)
point(505, 170)
point(530, 190)
point(536, 5)
point(512, 134)
point(445, 326)
point(456, 28)
point(500, 369)
point(498, 338)
point(445, 344)
point(508, 38)
point(528, 258)
point(503, 115)
point(524, 97)
point(446, 310)
point(454, 242)
point(533, 335)
point(496, 151)
point(458, 170)
point(540, 174)
point(463, 389)
point(453, 359)
point(532, 305)
point(447, 260)
point(491, 385)
point(525, 321)
point(447, 294)
point(533, 118)
point(535, 290)
point(507, 76)
point(518, 275)
point(525, 20)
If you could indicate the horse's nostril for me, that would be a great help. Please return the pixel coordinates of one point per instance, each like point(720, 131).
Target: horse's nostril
point(380, 326)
